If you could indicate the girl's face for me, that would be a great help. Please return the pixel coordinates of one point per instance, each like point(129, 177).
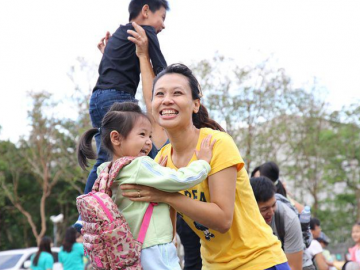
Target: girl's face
point(138, 142)
point(172, 104)
point(355, 233)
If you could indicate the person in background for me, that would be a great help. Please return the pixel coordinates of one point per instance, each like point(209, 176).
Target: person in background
point(71, 254)
point(315, 249)
point(275, 212)
point(271, 170)
point(355, 250)
point(43, 259)
point(324, 242)
point(349, 265)
point(255, 172)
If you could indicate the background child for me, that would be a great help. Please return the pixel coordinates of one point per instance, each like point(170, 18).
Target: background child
point(355, 250)
point(119, 67)
point(43, 259)
point(127, 132)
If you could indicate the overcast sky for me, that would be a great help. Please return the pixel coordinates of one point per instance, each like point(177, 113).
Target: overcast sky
point(40, 40)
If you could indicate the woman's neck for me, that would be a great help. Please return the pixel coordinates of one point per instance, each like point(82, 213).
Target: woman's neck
point(183, 144)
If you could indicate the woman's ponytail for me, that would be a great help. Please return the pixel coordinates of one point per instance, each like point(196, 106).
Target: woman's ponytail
point(85, 150)
point(201, 119)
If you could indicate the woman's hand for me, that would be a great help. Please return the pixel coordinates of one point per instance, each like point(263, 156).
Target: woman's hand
point(140, 39)
point(144, 194)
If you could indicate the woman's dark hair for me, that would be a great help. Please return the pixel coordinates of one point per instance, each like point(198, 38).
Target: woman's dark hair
point(70, 239)
point(121, 117)
point(271, 171)
point(200, 119)
point(45, 246)
point(263, 188)
point(136, 6)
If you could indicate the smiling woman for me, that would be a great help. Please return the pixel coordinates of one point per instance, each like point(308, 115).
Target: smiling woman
point(221, 210)
point(126, 132)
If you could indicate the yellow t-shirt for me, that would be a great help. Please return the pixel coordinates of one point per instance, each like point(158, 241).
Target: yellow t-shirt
point(250, 243)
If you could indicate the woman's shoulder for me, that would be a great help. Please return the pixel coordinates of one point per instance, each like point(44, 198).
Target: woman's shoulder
point(165, 149)
point(220, 136)
point(46, 256)
point(214, 133)
point(78, 246)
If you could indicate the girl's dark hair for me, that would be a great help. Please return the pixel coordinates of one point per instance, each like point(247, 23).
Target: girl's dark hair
point(136, 6)
point(271, 171)
point(70, 239)
point(121, 117)
point(45, 245)
point(200, 119)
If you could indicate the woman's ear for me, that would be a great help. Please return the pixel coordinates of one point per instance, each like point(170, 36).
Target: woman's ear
point(196, 105)
point(115, 138)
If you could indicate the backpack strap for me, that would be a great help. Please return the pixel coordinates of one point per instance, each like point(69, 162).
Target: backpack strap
point(146, 222)
point(280, 222)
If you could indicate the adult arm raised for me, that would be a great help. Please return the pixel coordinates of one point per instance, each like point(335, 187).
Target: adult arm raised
point(147, 77)
point(216, 214)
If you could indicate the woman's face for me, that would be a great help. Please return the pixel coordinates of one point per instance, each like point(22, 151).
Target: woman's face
point(172, 104)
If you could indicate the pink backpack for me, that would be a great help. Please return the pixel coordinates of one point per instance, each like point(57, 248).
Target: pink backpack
point(107, 237)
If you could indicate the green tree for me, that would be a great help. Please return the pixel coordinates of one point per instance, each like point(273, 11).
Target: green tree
point(250, 103)
point(48, 156)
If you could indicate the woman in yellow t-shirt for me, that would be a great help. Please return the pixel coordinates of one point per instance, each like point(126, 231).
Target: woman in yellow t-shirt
point(222, 209)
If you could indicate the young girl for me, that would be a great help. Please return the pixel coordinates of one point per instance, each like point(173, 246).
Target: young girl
point(43, 259)
point(127, 132)
point(355, 250)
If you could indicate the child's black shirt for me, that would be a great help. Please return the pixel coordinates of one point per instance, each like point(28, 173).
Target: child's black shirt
point(120, 67)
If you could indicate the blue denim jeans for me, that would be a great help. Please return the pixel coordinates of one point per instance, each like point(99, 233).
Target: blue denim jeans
point(100, 103)
point(282, 266)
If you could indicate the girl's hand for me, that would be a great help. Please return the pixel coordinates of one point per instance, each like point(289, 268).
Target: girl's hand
point(163, 161)
point(143, 193)
point(140, 39)
point(205, 152)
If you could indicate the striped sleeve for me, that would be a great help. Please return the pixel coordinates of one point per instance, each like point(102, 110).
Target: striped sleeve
point(152, 174)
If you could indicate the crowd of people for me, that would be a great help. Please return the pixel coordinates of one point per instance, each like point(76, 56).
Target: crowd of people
point(185, 162)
